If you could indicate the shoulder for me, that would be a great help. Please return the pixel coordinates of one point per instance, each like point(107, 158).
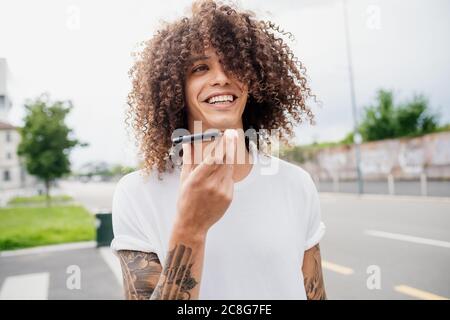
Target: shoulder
point(139, 179)
point(128, 184)
point(131, 181)
point(141, 184)
point(133, 192)
point(126, 187)
point(294, 169)
point(292, 174)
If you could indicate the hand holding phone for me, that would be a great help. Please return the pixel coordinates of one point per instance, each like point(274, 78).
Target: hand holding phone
point(206, 189)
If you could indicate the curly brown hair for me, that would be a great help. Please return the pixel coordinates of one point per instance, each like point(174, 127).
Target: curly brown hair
point(247, 48)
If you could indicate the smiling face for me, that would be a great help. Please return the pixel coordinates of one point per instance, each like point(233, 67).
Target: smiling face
point(212, 96)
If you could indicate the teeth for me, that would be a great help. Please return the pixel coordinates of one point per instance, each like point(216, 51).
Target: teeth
point(221, 99)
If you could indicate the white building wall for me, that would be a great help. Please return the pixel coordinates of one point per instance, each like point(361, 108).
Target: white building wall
point(12, 172)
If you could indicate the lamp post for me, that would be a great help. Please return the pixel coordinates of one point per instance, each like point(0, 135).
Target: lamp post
point(356, 135)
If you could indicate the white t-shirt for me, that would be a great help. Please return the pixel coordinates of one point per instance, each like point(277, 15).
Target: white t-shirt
point(255, 251)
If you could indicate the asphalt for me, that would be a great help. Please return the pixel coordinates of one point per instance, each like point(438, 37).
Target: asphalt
point(390, 234)
point(97, 280)
point(406, 240)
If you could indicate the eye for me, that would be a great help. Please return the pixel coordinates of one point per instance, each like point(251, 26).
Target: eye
point(199, 68)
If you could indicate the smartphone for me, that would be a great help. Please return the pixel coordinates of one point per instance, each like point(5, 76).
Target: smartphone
point(204, 136)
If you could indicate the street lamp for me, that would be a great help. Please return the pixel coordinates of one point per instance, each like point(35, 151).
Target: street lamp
point(356, 135)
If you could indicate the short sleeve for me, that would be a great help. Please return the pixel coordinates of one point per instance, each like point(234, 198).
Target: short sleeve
point(127, 229)
point(316, 228)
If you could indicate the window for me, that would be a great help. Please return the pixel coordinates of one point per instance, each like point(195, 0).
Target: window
point(8, 155)
point(8, 136)
point(6, 175)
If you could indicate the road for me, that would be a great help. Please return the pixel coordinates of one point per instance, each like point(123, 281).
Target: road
point(406, 239)
point(399, 245)
point(54, 275)
point(96, 196)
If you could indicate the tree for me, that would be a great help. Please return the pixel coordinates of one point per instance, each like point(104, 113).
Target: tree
point(46, 140)
point(413, 118)
point(384, 120)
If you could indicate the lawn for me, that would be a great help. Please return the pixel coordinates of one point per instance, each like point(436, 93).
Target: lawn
point(22, 227)
point(39, 200)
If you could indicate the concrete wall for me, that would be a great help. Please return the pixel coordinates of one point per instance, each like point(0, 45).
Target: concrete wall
point(404, 158)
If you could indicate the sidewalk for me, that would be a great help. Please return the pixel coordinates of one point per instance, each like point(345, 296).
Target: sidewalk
point(52, 272)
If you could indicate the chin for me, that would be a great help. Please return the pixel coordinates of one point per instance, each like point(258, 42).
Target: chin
point(222, 122)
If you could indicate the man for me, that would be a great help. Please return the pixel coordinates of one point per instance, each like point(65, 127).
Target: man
point(220, 227)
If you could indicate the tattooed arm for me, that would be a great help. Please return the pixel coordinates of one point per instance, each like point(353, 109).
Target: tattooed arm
point(179, 279)
point(141, 272)
point(312, 274)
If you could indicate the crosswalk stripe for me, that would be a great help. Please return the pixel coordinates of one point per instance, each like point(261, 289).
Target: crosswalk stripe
point(32, 286)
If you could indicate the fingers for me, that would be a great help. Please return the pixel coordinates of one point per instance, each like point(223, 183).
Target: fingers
point(209, 163)
point(217, 147)
point(187, 160)
point(229, 145)
point(220, 150)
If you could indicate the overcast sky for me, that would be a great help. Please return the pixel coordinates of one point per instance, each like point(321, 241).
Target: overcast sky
point(81, 50)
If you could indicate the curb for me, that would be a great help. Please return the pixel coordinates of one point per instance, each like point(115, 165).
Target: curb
point(49, 248)
point(384, 197)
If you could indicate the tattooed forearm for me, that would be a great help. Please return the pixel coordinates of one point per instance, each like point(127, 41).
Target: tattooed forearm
point(177, 282)
point(141, 272)
point(312, 274)
point(145, 278)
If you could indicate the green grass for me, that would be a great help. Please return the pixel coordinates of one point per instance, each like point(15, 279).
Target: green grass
point(22, 227)
point(38, 200)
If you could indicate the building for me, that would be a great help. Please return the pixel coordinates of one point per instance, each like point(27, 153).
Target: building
point(12, 171)
point(5, 102)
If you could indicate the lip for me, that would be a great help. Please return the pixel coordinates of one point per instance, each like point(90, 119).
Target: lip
point(224, 93)
point(221, 106)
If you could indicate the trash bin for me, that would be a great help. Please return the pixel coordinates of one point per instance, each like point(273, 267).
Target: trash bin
point(104, 229)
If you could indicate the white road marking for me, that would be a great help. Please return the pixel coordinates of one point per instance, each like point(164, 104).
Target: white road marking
point(416, 293)
point(113, 263)
point(33, 286)
point(337, 268)
point(407, 238)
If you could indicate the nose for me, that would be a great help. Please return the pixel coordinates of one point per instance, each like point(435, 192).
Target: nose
point(220, 77)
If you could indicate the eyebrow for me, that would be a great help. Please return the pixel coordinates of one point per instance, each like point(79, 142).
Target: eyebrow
point(197, 58)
